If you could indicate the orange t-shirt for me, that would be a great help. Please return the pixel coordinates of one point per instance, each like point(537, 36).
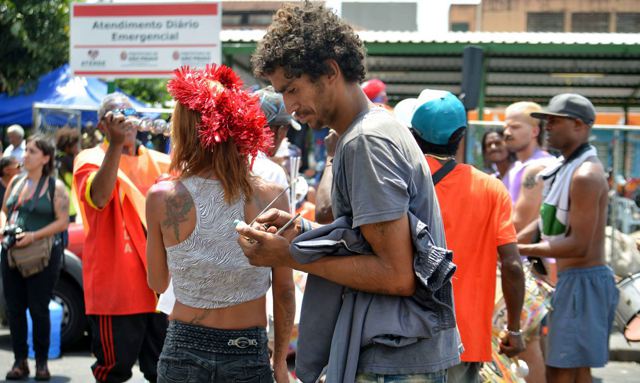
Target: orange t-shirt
point(476, 213)
point(114, 257)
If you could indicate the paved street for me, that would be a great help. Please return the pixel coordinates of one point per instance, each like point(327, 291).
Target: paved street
point(74, 366)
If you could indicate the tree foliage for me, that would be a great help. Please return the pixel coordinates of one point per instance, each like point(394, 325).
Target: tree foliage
point(34, 39)
point(153, 91)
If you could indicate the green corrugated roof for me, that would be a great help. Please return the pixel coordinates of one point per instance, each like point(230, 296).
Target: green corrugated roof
point(604, 67)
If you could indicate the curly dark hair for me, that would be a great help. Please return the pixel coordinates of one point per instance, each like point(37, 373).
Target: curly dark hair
point(302, 38)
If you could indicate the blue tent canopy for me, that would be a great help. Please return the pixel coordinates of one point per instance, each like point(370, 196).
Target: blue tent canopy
point(57, 87)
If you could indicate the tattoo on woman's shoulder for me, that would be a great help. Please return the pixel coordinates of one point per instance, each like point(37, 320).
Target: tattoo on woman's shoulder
point(177, 210)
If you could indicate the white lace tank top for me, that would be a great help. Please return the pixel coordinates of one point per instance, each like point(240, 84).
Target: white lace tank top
point(208, 268)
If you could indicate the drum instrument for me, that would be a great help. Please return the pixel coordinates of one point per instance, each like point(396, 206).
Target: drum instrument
point(537, 300)
point(627, 317)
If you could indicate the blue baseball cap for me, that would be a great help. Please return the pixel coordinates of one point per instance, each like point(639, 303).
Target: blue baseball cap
point(437, 115)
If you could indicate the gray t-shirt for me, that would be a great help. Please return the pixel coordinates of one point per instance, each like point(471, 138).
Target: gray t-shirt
point(379, 174)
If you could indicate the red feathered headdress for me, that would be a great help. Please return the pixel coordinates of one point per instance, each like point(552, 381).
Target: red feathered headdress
point(226, 110)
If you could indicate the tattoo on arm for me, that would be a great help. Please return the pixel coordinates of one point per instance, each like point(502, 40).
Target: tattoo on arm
point(61, 202)
point(530, 181)
point(178, 206)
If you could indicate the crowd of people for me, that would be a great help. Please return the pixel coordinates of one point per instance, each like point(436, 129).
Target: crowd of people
point(404, 254)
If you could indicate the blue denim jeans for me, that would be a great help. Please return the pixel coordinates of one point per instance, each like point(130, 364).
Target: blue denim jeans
point(187, 360)
point(465, 372)
point(430, 377)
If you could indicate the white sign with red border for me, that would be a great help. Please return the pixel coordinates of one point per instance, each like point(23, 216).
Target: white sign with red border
point(125, 40)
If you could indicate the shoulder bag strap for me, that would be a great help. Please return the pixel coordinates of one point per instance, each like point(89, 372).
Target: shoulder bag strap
point(18, 185)
point(36, 194)
point(52, 190)
point(443, 171)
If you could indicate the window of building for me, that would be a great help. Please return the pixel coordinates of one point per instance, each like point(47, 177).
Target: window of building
point(243, 19)
point(261, 19)
point(459, 27)
point(396, 16)
point(628, 22)
point(233, 20)
point(545, 22)
point(590, 22)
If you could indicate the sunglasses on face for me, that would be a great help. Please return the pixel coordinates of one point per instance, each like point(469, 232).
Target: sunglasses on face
point(127, 112)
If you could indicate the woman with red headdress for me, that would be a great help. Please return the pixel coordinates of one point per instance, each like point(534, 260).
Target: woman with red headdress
point(217, 328)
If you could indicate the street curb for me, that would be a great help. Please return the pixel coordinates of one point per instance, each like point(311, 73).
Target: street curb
point(624, 356)
point(622, 351)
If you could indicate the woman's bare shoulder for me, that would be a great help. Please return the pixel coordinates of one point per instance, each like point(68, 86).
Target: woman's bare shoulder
point(162, 191)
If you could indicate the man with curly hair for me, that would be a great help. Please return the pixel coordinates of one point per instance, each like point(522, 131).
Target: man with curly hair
point(381, 183)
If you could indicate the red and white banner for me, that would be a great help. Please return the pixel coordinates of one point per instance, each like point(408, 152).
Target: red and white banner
point(120, 40)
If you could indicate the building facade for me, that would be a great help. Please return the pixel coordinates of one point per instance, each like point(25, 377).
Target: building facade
point(593, 16)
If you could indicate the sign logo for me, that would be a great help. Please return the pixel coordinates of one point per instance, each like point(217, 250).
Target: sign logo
point(123, 55)
point(93, 53)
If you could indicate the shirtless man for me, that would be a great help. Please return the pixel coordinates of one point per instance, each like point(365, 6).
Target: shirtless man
point(572, 221)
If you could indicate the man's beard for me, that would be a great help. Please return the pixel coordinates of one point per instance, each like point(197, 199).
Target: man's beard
point(517, 149)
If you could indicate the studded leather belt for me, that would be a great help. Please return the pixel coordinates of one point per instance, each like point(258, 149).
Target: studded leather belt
point(246, 341)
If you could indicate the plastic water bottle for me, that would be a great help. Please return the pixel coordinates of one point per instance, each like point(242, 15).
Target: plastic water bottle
point(55, 315)
point(520, 368)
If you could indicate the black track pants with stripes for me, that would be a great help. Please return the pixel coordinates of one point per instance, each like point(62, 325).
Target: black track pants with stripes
point(118, 341)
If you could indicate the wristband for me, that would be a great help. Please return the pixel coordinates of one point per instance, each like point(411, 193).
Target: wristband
point(304, 225)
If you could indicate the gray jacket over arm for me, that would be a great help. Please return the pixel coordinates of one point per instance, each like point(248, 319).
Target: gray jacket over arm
point(337, 322)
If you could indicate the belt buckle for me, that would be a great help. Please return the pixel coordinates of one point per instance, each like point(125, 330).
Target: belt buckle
point(242, 342)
